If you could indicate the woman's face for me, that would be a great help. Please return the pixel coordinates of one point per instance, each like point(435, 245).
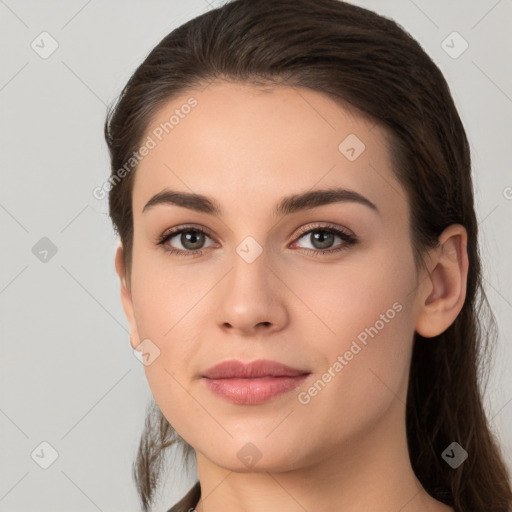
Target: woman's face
point(259, 286)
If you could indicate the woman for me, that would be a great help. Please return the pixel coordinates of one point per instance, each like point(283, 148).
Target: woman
point(299, 265)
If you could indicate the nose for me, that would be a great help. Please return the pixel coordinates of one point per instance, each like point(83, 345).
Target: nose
point(251, 299)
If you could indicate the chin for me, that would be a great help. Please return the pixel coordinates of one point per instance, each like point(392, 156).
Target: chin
point(257, 457)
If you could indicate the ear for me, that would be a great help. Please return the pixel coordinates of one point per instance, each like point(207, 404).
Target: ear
point(126, 296)
point(443, 291)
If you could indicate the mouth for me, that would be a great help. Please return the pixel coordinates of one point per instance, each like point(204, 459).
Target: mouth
point(253, 383)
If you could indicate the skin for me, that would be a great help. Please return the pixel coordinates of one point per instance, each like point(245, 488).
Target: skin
point(247, 148)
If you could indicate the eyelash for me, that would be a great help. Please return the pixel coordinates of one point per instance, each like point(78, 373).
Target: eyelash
point(347, 238)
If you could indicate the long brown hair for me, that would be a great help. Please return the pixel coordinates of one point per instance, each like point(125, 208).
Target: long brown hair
point(368, 63)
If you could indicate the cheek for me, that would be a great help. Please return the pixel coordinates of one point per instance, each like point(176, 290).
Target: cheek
point(169, 375)
point(340, 300)
point(166, 306)
point(164, 295)
point(363, 325)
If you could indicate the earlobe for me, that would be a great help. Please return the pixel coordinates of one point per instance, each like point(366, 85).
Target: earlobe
point(126, 296)
point(442, 297)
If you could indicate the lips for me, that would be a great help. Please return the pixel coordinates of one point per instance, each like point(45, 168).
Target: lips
point(261, 368)
point(252, 383)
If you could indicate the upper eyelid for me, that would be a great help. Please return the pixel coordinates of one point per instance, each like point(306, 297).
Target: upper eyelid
point(187, 227)
point(325, 225)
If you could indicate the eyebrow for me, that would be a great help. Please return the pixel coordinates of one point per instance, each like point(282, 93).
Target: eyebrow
point(286, 206)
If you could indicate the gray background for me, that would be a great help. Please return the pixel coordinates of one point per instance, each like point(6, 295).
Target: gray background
point(68, 376)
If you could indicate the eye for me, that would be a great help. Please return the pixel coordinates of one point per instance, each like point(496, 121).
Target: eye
point(190, 238)
point(322, 238)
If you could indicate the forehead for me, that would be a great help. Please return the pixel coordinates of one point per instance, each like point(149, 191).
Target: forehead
point(237, 141)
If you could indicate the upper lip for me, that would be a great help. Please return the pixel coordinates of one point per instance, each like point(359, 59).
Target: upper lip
point(254, 369)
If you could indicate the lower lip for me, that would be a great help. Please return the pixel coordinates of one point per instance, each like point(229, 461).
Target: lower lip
point(253, 391)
